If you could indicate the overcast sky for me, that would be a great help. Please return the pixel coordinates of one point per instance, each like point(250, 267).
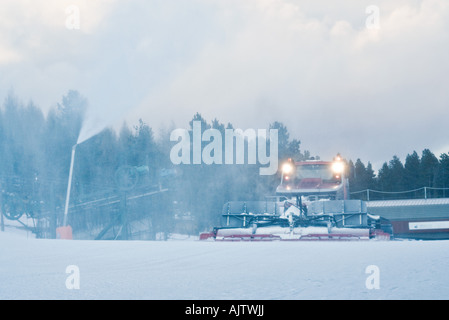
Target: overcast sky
point(341, 78)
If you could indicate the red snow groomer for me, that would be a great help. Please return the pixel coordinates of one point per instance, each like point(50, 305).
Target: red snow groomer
point(314, 180)
point(311, 203)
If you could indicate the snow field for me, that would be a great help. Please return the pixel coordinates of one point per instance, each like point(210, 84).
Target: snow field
point(197, 270)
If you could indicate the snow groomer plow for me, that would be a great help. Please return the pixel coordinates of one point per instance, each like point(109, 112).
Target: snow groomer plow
point(333, 220)
point(311, 205)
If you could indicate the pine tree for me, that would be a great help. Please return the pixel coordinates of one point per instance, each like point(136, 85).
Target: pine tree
point(429, 168)
point(397, 174)
point(412, 176)
point(361, 177)
point(383, 178)
point(370, 177)
point(391, 176)
point(443, 173)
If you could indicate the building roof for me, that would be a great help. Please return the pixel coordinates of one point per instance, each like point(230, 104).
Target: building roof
point(406, 203)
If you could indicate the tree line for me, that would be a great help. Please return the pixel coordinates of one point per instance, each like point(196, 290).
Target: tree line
point(35, 151)
point(395, 178)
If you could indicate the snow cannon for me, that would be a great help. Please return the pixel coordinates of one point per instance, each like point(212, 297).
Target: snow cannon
point(65, 231)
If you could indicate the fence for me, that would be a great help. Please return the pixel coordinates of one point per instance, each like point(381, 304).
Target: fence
point(420, 193)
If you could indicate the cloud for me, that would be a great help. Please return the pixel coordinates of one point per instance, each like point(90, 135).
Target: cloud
point(338, 86)
point(39, 56)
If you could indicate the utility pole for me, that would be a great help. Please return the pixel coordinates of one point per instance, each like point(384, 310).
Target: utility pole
point(123, 216)
point(51, 207)
point(2, 221)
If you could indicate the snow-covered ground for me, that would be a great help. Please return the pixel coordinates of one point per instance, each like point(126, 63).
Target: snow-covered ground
point(36, 269)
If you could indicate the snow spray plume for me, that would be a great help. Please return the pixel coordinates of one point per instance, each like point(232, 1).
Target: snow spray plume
point(90, 128)
point(99, 118)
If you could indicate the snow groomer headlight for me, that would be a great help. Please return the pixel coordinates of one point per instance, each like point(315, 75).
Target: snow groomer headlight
point(287, 168)
point(338, 166)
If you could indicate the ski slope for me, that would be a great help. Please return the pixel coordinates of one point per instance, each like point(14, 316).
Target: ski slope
point(36, 269)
